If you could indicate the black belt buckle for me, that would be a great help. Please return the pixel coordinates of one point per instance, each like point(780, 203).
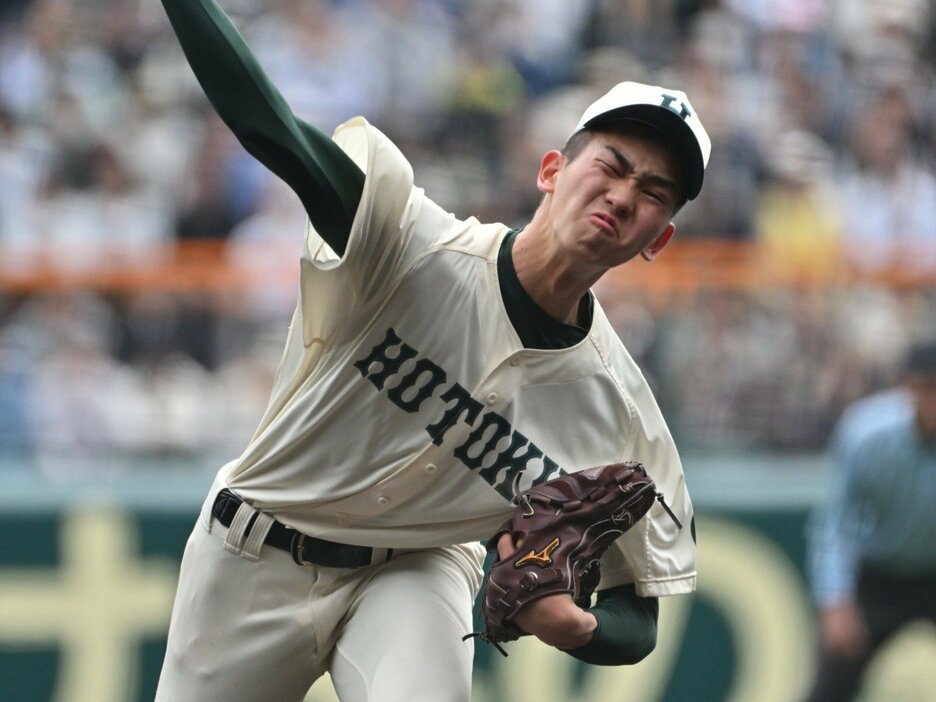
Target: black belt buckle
point(296, 548)
point(327, 553)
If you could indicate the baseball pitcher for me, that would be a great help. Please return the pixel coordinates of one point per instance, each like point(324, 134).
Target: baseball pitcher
point(440, 377)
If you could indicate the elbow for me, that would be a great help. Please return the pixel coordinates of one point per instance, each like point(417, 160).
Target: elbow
point(639, 649)
point(615, 653)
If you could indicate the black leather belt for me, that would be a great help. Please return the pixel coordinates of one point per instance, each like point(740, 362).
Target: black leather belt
point(305, 550)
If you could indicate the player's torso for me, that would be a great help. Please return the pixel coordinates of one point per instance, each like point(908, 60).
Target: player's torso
point(418, 429)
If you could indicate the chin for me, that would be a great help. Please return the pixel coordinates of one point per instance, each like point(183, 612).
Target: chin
point(605, 257)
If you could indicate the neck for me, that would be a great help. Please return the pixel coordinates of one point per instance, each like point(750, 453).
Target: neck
point(555, 285)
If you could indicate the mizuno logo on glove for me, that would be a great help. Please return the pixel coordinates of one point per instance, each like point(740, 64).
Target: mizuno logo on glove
point(541, 559)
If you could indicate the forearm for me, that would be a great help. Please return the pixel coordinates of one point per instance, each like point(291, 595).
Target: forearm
point(835, 538)
point(833, 569)
point(627, 628)
point(327, 181)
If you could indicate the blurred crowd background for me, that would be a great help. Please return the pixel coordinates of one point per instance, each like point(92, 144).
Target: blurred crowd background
point(823, 120)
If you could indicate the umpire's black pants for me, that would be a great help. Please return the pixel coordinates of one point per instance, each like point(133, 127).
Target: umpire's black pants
point(888, 603)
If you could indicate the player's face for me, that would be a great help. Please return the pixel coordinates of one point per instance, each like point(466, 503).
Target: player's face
point(614, 200)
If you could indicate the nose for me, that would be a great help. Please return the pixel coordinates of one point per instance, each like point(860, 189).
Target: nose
point(622, 196)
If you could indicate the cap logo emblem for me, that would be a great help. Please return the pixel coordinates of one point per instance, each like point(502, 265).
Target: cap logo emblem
point(668, 101)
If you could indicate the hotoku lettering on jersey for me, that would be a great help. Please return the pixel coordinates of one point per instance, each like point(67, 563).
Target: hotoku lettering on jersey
point(423, 380)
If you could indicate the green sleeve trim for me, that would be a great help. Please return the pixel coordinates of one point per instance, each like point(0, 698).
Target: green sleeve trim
point(327, 181)
point(627, 628)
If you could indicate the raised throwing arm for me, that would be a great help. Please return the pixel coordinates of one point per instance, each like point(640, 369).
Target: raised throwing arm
point(327, 181)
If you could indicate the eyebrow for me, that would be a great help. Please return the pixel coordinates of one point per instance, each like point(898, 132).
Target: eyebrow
point(649, 178)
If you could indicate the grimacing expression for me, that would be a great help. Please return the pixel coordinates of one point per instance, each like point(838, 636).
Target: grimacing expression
point(614, 198)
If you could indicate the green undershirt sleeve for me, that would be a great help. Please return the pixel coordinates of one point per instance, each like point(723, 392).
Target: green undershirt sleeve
point(627, 628)
point(327, 181)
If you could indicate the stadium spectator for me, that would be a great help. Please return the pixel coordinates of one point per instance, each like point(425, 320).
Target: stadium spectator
point(799, 216)
point(889, 192)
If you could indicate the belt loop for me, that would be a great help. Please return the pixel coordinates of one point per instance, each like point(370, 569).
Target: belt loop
point(234, 541)
point(207, 510)
point(258, 533)
point(380, 555)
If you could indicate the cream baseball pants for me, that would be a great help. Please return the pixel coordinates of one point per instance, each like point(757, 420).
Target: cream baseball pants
point(253, 626)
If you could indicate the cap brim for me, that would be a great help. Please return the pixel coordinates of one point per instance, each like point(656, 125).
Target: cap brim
point(672, 126)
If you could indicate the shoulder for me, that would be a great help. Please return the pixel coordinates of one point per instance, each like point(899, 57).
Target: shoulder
point(614, 354)
point(874, 414)
point(388, 175)
point(870, 426)
point(392, 197)
point(366, 145)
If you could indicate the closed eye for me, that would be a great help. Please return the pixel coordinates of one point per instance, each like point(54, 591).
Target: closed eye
point(609, 168)
point(652, 182)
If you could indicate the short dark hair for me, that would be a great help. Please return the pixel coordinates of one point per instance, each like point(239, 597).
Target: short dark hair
point(576, 144)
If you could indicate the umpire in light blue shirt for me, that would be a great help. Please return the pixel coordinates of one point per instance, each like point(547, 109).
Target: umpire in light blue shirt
point(873, 543)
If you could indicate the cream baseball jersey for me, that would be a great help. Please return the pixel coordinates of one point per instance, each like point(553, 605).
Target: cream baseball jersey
point(406, 413)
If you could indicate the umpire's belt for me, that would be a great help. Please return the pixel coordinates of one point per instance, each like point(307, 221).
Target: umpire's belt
point(305, 550)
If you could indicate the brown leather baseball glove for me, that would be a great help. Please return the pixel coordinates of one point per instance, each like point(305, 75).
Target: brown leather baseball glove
point(561, 529)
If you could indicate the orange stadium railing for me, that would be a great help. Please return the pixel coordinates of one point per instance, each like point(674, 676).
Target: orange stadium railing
point(691, 266)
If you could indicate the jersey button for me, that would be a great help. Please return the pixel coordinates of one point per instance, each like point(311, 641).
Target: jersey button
point(431, 467)
point(516, 360)
point(383, 500)
point(492, 398)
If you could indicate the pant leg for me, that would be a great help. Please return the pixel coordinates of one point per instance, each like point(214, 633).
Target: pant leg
point(402, 640)
point(838, 678)
point(241, 630)
point(888, 603)
point(893, 601)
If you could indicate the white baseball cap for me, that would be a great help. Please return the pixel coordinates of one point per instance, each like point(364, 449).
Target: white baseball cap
point(667, 110)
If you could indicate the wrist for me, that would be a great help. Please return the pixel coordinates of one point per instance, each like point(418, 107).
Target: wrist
point(585, 630)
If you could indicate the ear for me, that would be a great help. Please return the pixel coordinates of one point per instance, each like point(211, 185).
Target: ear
point(651, 251)
point(549, 168)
